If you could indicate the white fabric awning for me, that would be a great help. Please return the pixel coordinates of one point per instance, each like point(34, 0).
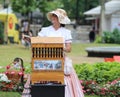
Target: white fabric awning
point(6, 11)
point(110, 8)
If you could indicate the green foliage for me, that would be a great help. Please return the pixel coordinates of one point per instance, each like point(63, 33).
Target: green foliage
point(112, 37)
point(98, 39)
point(101, 79)
point(108, 37)
point(111, 89)
point(74, 8)
point(116, 34)
point(23, 6)
point(28, 69)
point(100, 72)
point(43, 6)
point(1, 32)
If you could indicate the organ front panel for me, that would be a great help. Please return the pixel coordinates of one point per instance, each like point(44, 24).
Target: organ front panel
point(47, 60)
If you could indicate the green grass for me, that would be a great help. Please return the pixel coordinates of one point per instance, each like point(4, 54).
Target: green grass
point(9, 94)
point(91, 96)
point(9, 52)
point(79, 48)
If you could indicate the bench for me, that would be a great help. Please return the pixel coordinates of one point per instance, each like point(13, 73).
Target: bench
point(102, 51)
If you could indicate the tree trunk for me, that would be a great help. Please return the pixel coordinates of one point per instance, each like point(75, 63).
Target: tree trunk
point(102, 18)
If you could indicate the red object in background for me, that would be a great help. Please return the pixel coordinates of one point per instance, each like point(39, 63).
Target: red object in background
point(12, 72)
point(20, 73)
point(11, 23)
point(8, 67)
point(109, 59)
point(116, 58)
point(6, 73)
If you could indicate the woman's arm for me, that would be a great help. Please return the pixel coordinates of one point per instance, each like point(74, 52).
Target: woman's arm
point(67, 47)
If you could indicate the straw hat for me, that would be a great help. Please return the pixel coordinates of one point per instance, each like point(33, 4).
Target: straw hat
point(61, 14)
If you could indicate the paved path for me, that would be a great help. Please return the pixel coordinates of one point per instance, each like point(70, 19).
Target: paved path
point(85, 59)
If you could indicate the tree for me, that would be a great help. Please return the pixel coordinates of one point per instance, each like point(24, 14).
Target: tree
point(23, 6)
point(27, 6)
point(76, 8)
point(46, 6)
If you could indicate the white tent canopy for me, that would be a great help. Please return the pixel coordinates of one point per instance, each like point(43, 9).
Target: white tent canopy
point(6, 11)
point(110, 8)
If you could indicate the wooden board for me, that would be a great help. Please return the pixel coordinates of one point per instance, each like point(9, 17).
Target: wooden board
point(47, 40)
point(36, 77)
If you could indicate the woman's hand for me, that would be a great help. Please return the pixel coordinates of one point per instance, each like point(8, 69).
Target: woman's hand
point(67, 47)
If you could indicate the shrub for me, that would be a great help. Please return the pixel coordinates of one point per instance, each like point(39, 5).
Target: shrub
point(111, 37)
point(102, 79)
point(108, 37)
point(100, 72)
point(98, 39)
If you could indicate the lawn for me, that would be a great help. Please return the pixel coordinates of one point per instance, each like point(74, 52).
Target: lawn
point(11, 51)
point(9, 94)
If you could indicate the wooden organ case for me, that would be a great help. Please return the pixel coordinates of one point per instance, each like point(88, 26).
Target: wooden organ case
point(47, 66)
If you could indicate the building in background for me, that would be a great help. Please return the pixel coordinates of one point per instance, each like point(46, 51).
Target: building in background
point(112, 15)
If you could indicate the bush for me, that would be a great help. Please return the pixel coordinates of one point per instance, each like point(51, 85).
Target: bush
point(108, 37)
point(98, 39)
point(100, 78)
point(100, 72)
point(111, 37)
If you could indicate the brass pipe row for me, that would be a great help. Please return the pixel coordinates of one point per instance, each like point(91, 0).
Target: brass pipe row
point(46, 52)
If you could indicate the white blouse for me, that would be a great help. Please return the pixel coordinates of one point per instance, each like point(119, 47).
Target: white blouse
point(61, 32)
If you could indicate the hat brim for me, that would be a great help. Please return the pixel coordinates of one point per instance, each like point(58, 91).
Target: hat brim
point(66, 20)
point(49, 15)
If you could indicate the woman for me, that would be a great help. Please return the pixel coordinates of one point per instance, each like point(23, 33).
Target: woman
point(59, 18)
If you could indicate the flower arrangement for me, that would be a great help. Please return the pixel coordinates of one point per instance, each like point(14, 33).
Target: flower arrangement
point(111, 89)
point(13, 79)
point(5, 83)
point(15, 70)
point(4, 78)
point(14, 75)
point(9, 85)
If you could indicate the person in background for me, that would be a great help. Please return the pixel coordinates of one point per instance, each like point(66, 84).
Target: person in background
point(59, 19)
point(92, 35)
point(26, 34)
